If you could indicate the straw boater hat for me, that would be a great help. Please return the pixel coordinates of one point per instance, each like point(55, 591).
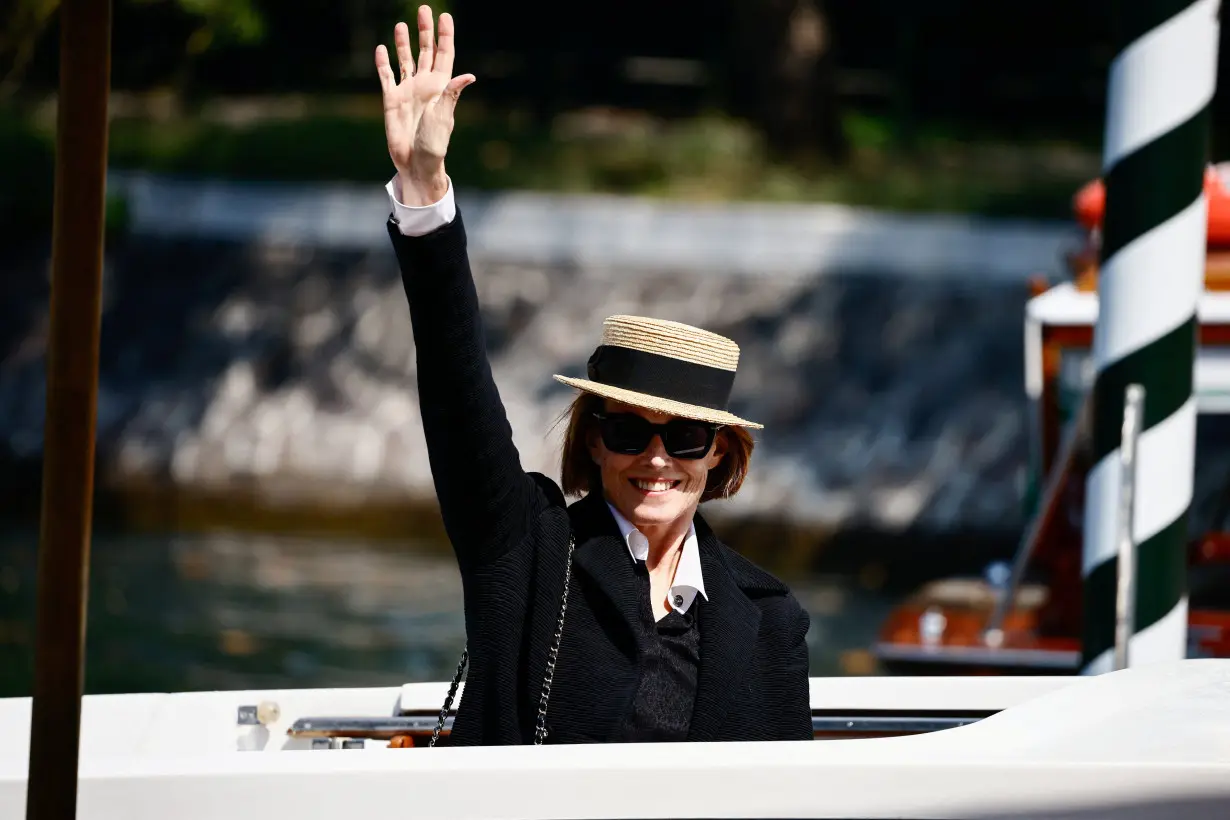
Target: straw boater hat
point(665, 366)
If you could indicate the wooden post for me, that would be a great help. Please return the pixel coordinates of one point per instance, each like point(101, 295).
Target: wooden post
point(72, 398)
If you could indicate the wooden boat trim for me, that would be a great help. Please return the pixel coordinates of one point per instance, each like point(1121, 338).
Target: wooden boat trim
point(1059, 659)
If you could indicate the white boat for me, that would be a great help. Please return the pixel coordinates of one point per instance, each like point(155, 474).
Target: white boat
point(1150, 741)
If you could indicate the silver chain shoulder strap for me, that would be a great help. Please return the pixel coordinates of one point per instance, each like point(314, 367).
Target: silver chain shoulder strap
point(540, 731)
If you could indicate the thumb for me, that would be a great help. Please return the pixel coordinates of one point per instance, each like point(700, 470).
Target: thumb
point(452, 91)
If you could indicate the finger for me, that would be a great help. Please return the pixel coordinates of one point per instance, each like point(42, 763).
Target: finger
point(401, 38)
point(444, 47)
point(452, 91)
point(427, 38)
point(383, 70)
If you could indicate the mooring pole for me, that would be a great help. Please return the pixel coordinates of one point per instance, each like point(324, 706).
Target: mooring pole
point(72, 397)
point(1152, 274)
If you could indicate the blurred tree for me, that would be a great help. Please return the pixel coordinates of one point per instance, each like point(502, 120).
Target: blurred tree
point(783, 63)
point(219, 21)
point(214, 22)
point(20, 32)
point(27, 171)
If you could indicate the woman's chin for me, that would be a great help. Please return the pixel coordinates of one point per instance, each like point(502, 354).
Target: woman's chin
point(653, 511)
point(651, 514)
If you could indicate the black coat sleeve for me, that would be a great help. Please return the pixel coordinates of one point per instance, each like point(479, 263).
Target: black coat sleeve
point(487, 500)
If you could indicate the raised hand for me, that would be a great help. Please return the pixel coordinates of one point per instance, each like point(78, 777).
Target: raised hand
point(418, 108)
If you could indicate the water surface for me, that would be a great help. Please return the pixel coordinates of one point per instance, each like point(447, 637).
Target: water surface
point(181, 612)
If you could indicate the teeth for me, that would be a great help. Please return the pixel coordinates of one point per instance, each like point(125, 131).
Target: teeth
point(652, 486)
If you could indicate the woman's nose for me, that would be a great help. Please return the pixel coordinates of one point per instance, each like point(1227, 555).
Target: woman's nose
point(657, 452)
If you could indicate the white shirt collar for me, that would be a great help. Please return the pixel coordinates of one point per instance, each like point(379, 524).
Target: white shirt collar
point(689, 580)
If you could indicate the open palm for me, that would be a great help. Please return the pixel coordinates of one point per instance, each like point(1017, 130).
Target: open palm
point(418, 108)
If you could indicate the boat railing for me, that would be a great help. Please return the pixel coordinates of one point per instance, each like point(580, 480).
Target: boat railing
point(1125, 592)
point(415, 729)
point(993, 634)
point(1133, 413)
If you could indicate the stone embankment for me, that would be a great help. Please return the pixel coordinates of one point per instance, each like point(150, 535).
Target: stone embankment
point(256, 341)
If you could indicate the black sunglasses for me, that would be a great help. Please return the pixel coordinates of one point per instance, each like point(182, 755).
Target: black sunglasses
point(629, 434)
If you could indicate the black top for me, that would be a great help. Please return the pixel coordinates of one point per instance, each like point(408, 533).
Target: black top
point(510, 530)
point(670, 655)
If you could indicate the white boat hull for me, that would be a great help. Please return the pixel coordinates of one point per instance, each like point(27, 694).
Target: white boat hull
point(1156, 737)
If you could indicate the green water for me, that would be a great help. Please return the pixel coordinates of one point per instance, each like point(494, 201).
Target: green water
point(235, 611)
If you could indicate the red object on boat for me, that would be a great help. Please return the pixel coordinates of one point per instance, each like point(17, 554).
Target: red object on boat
point(968, 625)
point(1089, 204)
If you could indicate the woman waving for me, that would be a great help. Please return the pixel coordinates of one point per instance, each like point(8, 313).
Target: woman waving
point(620, 617)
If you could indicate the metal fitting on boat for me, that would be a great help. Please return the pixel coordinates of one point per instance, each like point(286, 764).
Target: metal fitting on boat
point(931, 626)
point(265, 714)
point(268, 712)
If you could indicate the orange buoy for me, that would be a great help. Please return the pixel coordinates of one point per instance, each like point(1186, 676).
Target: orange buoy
point(1089, 204)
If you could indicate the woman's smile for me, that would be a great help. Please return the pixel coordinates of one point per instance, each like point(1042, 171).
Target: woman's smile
point(654, 486)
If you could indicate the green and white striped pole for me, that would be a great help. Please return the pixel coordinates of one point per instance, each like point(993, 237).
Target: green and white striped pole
point(1152, 273)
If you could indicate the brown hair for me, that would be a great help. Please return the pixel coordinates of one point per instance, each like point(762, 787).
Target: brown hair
point(579, 474)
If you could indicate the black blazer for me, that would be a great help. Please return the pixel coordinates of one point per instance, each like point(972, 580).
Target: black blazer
point(510, 531)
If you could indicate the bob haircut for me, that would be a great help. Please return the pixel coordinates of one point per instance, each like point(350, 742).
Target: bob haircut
point(579, 474)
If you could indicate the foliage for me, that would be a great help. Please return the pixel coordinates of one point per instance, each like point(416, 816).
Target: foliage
point(219, 21)
point(706, 158)
point(216, 21)
point(27, 185)
point(19, 35)
point(27, 176)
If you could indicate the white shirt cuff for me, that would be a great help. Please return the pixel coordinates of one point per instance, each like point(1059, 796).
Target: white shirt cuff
point(417, 221)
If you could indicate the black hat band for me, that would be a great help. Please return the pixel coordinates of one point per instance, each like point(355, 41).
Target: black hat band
point(661, 376)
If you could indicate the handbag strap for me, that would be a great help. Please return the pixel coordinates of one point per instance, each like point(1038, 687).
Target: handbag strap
point(540, 730)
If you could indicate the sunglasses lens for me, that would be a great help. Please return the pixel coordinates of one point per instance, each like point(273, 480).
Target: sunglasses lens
point(626, 433)
point(629, 434)
point(688, 439)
